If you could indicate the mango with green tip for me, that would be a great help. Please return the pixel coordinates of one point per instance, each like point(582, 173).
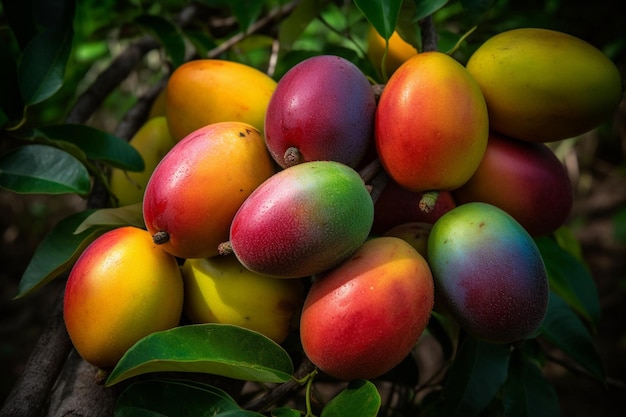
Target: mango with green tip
point(543, 85)
point(303, 220)
point(488, 272)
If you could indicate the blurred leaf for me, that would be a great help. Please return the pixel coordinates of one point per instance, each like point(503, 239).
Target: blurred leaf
point(382, 14)
point(526, 391)
point(445, 330)
point(246, 11)
point(285, 412)
point(564, 237)
point(475, 377)
point(201, 41)
point(131, 215)
point(42, 169)
point(168, 397)
point(168, 35)
point(294, 25)
point(43, 63)
point(619, 223)
point(563, 328)
point(11, 102)
point(218, 349)
point(571, 280)
point(57, 252)
point(475, 9)
point(97, 145)
point(359, 398)
point(19, 15)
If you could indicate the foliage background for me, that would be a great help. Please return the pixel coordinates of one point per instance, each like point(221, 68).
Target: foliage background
point(596, 161)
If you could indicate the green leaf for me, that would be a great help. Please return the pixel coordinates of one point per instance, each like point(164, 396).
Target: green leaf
point(43, 169)
point(57, 252)
point(169, 397)
point(294, 25)
point(571, 280)
point(246, 11)
point(474, 378)
point(131, 215)
point(168, 35)
point(563, 328)
point(96, 144)
point(619, 221)
point(43, 63)
point(382, 14)
point(285, 412)
point(359, 398)
point(526, 391)
point(218, 349)
point(425, 8)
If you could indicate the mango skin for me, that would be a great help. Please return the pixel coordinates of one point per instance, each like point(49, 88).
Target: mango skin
point(397, 205)
point(431, 124)
point(398, 52)
point(323, 106)
point(195, 191)
point(206, 91)
point(543, 85)
point(122, 287)
point(221, 290)
point(489, 272)
point(153, 141)
point(526, 180)
point(303, 220)
point(364, 317)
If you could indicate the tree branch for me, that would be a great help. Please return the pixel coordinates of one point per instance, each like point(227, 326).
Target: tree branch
point(429, 34)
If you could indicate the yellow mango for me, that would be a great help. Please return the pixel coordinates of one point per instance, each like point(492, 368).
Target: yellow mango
point(206, 91)
point(221, 290)
point(399, 50)
point(152, 141)
point(543, 85)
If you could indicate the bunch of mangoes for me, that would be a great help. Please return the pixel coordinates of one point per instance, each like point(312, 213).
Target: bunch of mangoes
point(312, 206)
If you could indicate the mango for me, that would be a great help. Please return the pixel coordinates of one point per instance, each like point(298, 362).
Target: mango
point(362, 318)
point(322, 109)
point(396, 205)
point(543, 85)
point(303, 220)
point(195, 191)
point(205, 91)
point(221, 290)
point(153, 141)
point(414, 233)
point(525, 179)
point(488, 272)
point(398, 51)
point(122, 287)
point(431, 124)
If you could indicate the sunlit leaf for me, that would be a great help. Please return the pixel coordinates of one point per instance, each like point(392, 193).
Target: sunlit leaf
point(476, 375)
point(42, 169)
point(359, 398)
point(131, 215)
point(57, 252)
point(382, 14)
point(218, 349)
point(526, 391)
point(168, 397)
point(571, 280)
point(168, 35)
point(96, 144)
point(563, 328)
point(43, 63)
